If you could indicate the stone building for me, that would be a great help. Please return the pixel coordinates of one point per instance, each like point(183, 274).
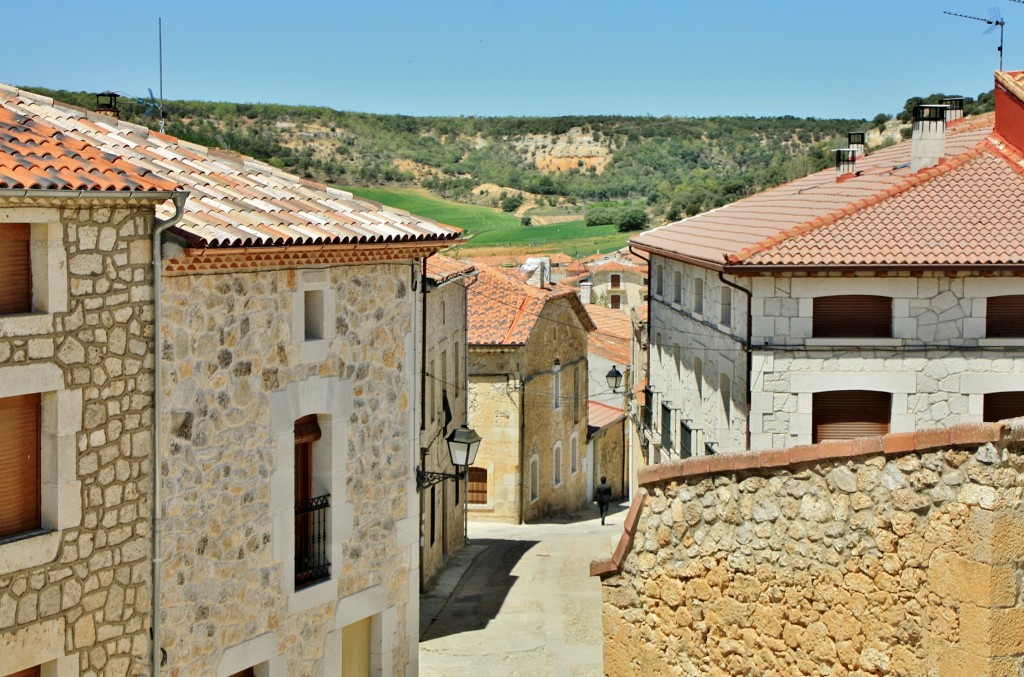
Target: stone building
point(890, 555)
point(608, 346)
point(528, 398)
point(287, 514)
point(617, 280)
point(883, 296)
point(76, 402)
point(445, 397)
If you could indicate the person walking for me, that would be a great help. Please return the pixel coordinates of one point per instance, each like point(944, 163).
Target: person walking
point(603, 494)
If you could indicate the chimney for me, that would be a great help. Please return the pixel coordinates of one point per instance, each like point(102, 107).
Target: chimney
point(537, 271)
point(846, 162)
point(586, 288)
point(857, 142)
point(928, 142)
point(106, 104)
point(956, 108)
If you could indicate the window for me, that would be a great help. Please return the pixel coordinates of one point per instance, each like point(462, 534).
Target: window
point(445, 404)
point(727, 306)
point(666, 426)
point(576, 389)
point(248, 672)
point(685, 440)
point(432, 393)
point(698, 296)
point(852, 316)
point(1001, 406)
point(20, 469)
point(678, 287)
point(659, 279)
point(844, 414)
point(312, 321)
point(574, 455)
point(725, 390)
point(15, 268)
point(477, 486)
point(616, 281)
point(556, 386)
point(1004, 317)
point(313, 307)
point(698, 376)
point(616, 302)
point(433, 515)
point(311, 511)
point(534, 479)
point(557, 454)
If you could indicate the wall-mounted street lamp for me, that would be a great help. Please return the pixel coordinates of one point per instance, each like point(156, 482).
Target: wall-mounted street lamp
point(614, 378)
point(463, 444)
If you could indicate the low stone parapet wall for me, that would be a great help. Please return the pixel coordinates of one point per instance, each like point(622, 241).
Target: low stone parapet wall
point(898, 554)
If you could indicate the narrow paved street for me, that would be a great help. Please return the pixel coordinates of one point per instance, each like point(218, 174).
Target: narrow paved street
point(519, 601)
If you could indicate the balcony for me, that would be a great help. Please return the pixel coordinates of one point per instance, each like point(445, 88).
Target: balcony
point(311, 563)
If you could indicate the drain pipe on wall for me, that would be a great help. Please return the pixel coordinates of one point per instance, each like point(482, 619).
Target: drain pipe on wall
point(746, 348)
point(158, 229)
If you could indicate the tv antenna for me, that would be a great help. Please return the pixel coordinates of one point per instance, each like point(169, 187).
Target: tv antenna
point(154, 105)
point(995, 20)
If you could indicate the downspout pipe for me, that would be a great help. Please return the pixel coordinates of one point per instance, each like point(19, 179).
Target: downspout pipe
point(423, 411)
point(746, 348)
point(159, 226)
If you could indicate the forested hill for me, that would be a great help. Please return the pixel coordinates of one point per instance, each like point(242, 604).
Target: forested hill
point(676, 166)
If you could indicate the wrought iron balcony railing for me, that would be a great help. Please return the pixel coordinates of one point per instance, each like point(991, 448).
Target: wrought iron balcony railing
point(311, 563)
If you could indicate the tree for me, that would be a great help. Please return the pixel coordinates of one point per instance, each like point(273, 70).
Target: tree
point(631, 218)
point(880, 120)
point(509, 202)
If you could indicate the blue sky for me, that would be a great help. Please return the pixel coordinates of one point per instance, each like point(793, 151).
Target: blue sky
point(822, 58)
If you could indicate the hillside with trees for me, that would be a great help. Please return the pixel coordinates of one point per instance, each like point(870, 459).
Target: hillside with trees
point(669, 166)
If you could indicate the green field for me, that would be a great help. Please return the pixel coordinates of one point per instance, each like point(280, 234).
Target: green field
point(486, 227)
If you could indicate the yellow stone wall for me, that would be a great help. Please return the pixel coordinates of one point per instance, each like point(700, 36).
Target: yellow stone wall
point(906, 563)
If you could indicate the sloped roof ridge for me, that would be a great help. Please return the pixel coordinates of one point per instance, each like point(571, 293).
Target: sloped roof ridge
point(1007, 151)
point(944, 167)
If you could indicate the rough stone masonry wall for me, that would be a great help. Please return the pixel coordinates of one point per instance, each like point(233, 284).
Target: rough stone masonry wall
point(896, 555)
point(227, 347)
point(98, 587)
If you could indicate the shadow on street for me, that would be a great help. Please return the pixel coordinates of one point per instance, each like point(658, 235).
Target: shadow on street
point(482, 590)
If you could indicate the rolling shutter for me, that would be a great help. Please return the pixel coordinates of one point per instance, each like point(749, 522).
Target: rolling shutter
point(845, 414)
point(1005, 317)
point(1001, 406)
point(15, 268)
point(852, 316)
point(19, 465)
point(478, 485)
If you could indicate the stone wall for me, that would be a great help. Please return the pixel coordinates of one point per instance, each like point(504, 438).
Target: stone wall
point(78, 598)
point(237, 375)
point(892, 555)
point(609, 456)
point(494, 412)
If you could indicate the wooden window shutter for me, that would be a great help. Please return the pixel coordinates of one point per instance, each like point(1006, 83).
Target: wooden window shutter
point(1001, 406)
point(477, 485)
point(15, 268)
point(19, 464)
point(846, 414)
point(1005, 317)
point(852, 316)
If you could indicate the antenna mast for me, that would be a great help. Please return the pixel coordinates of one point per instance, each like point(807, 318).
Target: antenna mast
point(995, 19)
point(160, 38)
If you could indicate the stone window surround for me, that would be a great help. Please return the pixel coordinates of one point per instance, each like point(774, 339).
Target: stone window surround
point(534, 478)
point(49, 272)
point(574, 453)
point(368, 603)
point(313, 350)
point(61, 499)
point(556, 385)
point(981, 288)
point(899, 384)
point(977, 385)
point(42, 644)
point(556, 457)
point(260, 653)
point(331, 399)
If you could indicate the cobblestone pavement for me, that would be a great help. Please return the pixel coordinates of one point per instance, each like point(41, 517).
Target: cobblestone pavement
point(519, 600)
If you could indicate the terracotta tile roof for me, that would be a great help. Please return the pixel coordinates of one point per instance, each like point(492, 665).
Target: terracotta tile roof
point(34, 155)
point(611, 338)
point(623, 258)
point(234, 200)
point(600, 415)
point(440, 269)
point(503, 310)
point(961, 212)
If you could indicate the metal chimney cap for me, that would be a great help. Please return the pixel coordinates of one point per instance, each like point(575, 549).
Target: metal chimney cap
point(954, 102)
point(930, 112)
